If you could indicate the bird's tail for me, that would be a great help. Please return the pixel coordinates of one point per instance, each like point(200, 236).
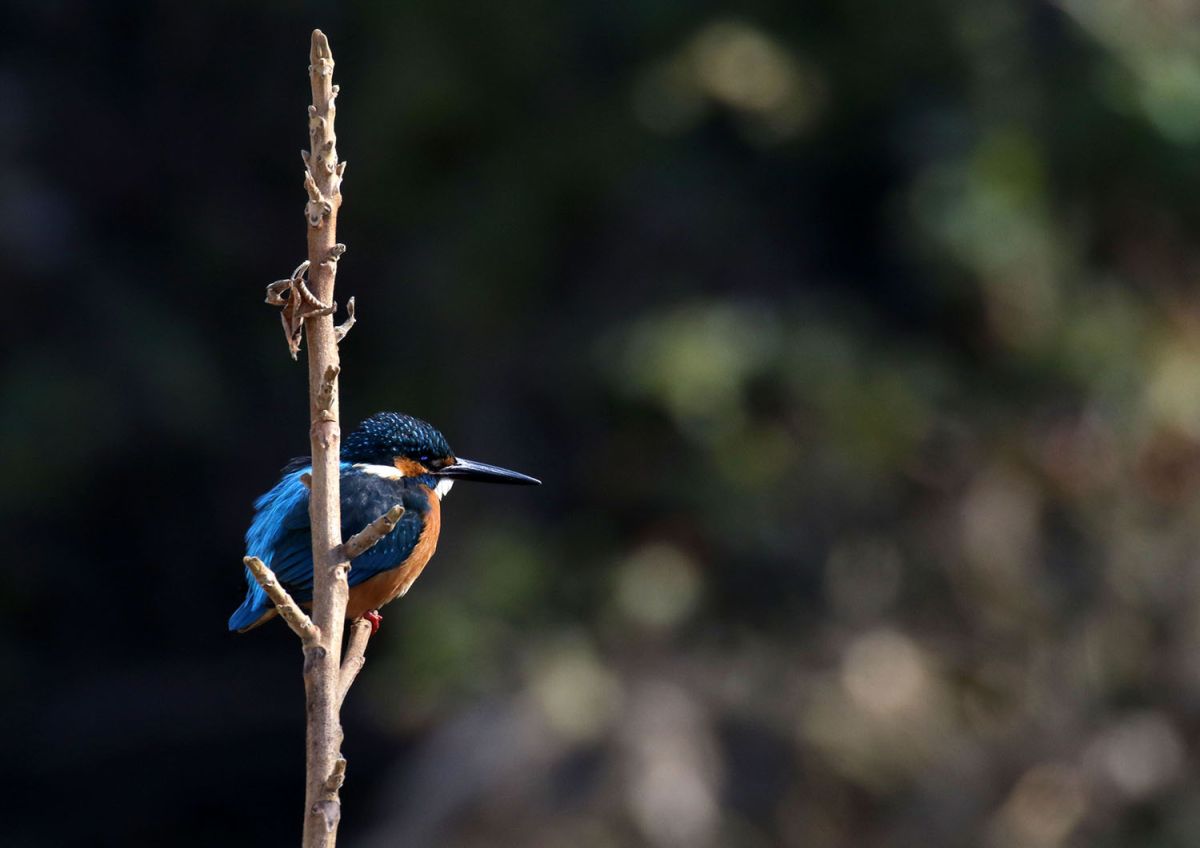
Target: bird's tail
point(250, 613)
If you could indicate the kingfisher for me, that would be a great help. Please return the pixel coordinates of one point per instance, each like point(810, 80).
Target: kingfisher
point(389, 459)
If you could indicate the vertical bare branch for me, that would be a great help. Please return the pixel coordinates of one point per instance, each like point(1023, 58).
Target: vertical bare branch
point(310, 307)
point(322, 182)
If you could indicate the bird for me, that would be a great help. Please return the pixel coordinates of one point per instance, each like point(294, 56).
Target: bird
point(389, 459)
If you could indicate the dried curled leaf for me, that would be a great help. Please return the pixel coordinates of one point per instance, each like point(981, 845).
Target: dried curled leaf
point(297, 303)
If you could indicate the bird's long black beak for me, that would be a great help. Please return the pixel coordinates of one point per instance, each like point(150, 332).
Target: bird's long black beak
point(468, 469)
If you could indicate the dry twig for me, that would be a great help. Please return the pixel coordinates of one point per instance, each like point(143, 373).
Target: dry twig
point(356, 656)
point(287, 608)
point(343, 328)
point(366, 538)
point(297, 303)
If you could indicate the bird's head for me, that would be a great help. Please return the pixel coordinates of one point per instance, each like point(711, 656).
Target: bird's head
point(416, 449)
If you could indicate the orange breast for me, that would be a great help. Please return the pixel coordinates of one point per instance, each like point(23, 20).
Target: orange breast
point(383, 588)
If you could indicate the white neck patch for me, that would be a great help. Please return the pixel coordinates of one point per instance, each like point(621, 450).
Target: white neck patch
point(389, 471)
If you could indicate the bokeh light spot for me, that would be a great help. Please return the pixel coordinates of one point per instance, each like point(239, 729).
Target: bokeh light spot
point(884, 673)
point(658, 586)
point(578, 695)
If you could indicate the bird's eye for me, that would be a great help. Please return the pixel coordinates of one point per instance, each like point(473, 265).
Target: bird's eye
point(424, 457)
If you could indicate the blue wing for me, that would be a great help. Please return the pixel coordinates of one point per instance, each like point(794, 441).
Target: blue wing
point(280, 533)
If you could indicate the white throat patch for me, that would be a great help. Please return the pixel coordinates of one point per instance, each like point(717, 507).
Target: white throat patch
point(443, 487)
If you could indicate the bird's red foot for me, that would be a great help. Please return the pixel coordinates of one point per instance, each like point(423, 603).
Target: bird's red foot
point(376, 620)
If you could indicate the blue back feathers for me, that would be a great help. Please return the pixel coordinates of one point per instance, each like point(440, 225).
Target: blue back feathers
point(275, 513)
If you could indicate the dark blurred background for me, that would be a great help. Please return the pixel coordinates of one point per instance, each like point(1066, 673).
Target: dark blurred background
point(857, 343)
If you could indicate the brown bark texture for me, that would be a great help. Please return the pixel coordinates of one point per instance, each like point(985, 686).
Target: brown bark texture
point(309, 306)
point(322, 180)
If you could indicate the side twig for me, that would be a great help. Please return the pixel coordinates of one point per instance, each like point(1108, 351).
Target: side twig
point(288, 609)
point(361, 629)
point(356, 656)
point(343, 328)
point(366, 538)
